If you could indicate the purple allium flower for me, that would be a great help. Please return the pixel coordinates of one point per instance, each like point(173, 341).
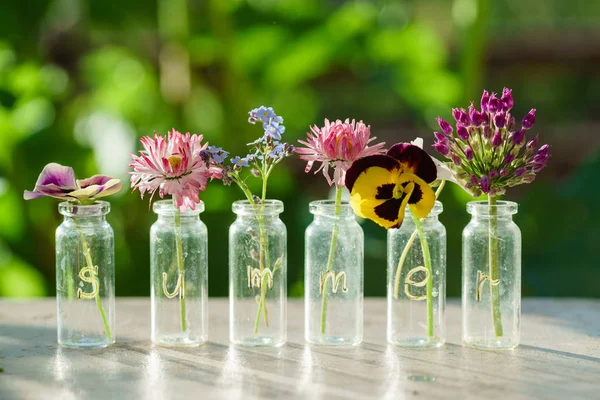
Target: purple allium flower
point(489, 147)
point(500, 120)
point(497, 139)
point(442, 148)
point(485, 184)
point(508, 159)
point(520, 172)
point(518, 137)
point(529, 119)
point(493, 104)
point(462, 132)
point(445, 126)
point(469, 153)
point(507, 99)
point(485, 98)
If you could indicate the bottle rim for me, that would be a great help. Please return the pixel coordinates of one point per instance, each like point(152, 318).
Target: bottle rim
point(72, 209)
point(244, 207)
point(167, 208)
point(502, 208)
point(327, 208)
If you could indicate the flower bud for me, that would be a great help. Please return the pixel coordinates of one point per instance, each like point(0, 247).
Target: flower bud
point(485, 184)
point(441, 137)
point(497, 139)
point(473, 180)
point(487, 132)
point(463, 117)
point(520, 172)
point(500, 120)
point(485, 98)
point(455, 159)
point(508, 159)
point(532, 144)
point(493, 104)
point(507, 99)
point(537, 168)
point(445, 126)
point(503, 172)
point(456, 114)
point(510, 123)
point(518, 137)
point(462, 132)
point(529, 119)
point(255, 172)
point(493, 174)
point(442, 148)
point(469, 153)
point(529, 178)
point(545, 150)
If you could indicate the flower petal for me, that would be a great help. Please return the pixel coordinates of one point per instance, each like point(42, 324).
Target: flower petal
point(383, 166)
point(56, 174)
point(422, 196)
point(414, 160)
point(93, 180)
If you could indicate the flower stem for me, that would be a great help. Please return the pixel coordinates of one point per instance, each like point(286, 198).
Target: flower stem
point(427, 261)
point(180, 268)
point(493, 261)
point(90, 264)
point(263, 257)
point(332, 248)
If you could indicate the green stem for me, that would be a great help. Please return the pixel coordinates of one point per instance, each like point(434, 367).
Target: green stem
point(180, 268)
point(493, 261)
point(263, 256)
point(409, 244)
point(427, 261)
point(90, 264)
point(332, 248)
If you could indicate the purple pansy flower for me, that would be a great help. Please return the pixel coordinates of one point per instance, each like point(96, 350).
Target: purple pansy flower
point(59, 182)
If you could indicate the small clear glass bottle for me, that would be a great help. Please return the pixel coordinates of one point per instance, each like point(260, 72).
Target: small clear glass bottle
point(85, 276)
point(491, 264)
point(416, 291)
point(333, 276)
point(179, 276)
point(257, 275)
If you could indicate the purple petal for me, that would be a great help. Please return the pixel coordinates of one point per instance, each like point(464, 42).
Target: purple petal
point(415, 160)
point(94, 180)
point(56, 174)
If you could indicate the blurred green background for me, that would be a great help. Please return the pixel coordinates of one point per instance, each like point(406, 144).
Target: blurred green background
point(81, 81)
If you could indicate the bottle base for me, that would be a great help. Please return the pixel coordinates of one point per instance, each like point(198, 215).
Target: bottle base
point(258, 341)
point(178, 341)
point(491, 343)
point(334, 341)
point(417, 342)
point(86, 344)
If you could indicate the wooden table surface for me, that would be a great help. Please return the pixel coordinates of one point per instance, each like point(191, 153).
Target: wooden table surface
point(559, 359)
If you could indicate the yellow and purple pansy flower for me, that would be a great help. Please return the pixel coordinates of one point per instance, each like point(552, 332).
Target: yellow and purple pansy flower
point(381, 186)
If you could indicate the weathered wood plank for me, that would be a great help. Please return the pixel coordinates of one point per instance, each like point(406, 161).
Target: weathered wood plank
point(559, 358)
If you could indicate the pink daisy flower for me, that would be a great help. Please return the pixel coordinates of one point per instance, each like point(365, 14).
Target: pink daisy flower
point(176, 166)
point(337, 145)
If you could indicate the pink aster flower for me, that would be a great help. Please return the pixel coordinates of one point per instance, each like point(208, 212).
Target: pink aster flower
point(337, 145)
point(59, 182)
point(178, 166)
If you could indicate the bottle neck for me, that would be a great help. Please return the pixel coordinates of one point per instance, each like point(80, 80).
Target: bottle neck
point(86, 220)
point(184, 219)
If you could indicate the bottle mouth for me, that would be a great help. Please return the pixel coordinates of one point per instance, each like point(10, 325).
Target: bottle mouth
point(244, 207)
point(167, 208)
point(328, 208)
point(501, 208)
point(71, 209)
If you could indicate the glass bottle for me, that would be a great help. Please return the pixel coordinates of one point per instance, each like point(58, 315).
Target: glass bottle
point(491, 263)
point(85, 276)
point(179, 276)
point(416, 291)
point(333, 276)
point(257, 275)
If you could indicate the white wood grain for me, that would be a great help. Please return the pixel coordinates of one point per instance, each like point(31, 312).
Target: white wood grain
point(559, 359)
